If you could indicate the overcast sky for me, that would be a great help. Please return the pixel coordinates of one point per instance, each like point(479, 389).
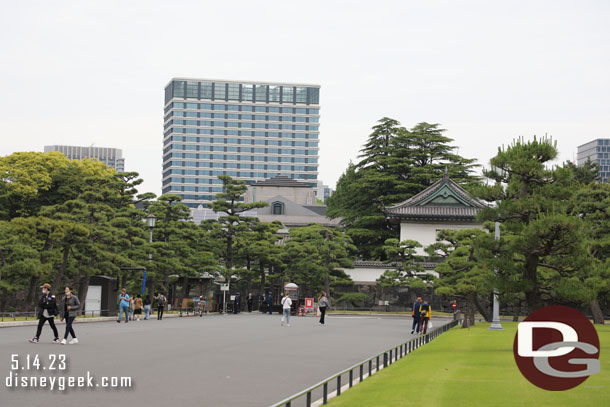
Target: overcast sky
point(93, 72)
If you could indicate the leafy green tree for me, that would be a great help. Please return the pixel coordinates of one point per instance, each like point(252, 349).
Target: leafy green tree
point(591, 203)
point(408, 271)
point(230, 202)
point(314, 256)
point(395, 164)
point(464, 273)
point(542, 243)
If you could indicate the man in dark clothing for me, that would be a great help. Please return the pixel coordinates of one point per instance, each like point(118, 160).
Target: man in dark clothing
point(416, 315)
point(160, 305)
point(270, 302)
point(47, 309)
point(249, 301)
point(236, 303)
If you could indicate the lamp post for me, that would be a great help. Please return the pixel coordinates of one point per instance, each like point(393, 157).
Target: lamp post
point(495, 323)
point(150, 222)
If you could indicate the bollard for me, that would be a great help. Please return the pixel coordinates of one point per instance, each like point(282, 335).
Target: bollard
point(325, 393)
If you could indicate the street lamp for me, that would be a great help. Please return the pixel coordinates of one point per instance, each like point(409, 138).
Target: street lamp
point(495, 322)
point(150, 222)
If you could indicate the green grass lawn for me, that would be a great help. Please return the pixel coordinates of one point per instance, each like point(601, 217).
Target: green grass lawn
point(472, 368)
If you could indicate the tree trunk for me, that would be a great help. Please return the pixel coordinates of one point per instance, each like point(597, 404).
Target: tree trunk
point(83, 288)
point(598, 315)
point(482, 310)
point(530, 275)
point(516, 309)
point(62, 268)
point(469, 314)
point(31, 293)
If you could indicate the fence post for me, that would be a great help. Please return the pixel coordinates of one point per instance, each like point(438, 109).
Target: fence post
point(361, 372)
point(338, 385)
point(385, 359)
point(370, 367)
point(325, 393)
point(377, 363)
point(351, 378)
point(308, 402)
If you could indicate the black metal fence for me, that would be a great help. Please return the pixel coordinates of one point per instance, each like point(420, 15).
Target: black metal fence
point(357, 373)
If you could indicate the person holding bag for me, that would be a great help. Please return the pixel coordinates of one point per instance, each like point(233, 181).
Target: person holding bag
point(69, 310)
point(323, 304)
point(425, 312)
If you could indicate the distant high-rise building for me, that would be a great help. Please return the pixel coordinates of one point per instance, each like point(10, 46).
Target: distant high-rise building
point(112, 157)
point(596, 151)
point(323, 192)
point(247, 130)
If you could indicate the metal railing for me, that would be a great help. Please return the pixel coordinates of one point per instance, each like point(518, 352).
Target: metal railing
point(365, 368)
point(33, 315)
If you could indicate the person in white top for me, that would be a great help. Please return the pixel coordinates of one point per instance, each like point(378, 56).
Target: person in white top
point(286, 303)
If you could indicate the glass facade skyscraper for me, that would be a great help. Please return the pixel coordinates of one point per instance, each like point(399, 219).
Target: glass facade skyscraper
point(247, 130)
point(112, 157)
point(597, 151)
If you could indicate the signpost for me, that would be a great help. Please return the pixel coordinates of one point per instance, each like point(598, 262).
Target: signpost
point(308, 302)
point(224, 288)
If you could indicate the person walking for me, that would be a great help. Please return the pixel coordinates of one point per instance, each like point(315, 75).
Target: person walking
point(131, 307)
point(161, 300)
point(416, 316)
point(123, 305)
point(236, 303)
point(323, 304)
point(47, 309)
point(137, 307)
point(286, 304)
point(425, 312)
point(270, 303)
point(68, 311)
point(147, 303)
point(249, 301)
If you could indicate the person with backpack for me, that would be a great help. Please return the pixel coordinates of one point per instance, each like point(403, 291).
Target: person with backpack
point(286, 304)
point(161, 300)
point(416, 316)
point(47, 309)
point(68, 311)
point(425, 312)
point(123, 305)
point(147, 303)
point(323, 304)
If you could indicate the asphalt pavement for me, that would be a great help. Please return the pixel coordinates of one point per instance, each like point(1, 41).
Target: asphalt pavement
point(215, 360)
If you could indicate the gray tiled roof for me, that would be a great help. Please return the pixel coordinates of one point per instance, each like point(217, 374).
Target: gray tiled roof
point(280, 181)
point(417, 207)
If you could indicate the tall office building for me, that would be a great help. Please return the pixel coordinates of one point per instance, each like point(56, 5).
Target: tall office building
point(596, 151)
point(112, 157)
point(247, 130)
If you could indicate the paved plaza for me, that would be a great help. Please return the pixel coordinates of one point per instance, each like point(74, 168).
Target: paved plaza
point(233, 360)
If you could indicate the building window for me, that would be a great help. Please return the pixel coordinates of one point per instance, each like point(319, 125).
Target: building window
point(233, 91)
point(247, 92)
point(261, 93)
point(287, 94)
point(274, 93)
point(192, 90)
point(277, 208)
point(220, 91)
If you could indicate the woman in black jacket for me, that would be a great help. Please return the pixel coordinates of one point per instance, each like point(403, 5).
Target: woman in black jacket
point(47, 309)
point(69, 310)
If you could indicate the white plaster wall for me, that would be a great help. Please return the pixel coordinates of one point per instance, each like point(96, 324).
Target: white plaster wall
point(425, 233)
